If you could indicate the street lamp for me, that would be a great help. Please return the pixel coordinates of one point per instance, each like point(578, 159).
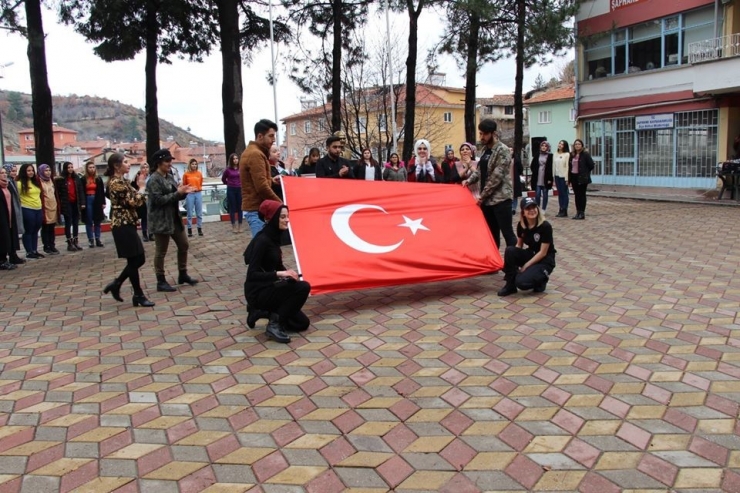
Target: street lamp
point(2, 140)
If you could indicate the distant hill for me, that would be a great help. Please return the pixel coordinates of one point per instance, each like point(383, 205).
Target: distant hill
point(91, 116)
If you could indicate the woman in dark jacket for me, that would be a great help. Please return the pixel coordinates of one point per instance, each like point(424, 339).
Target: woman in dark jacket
point(270, 286)
point(580, 167)
point(367, 164)
point(93, 204)
point(71, 195)
point(542, 177)
point(9, 243)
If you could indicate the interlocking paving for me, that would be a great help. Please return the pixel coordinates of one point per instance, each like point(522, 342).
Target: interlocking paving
point(623, 376)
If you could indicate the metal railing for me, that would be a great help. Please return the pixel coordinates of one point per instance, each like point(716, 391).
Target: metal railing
point(715, 48)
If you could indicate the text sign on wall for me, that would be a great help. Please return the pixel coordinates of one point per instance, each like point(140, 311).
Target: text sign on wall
point(618, 4)
point(654, 122)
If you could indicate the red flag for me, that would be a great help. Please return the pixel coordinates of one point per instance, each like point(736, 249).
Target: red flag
point(355, 234)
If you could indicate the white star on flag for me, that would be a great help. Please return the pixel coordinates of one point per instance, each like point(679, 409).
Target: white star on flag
point(413, 224)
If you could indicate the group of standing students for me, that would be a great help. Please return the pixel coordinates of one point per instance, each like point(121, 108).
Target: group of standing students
point(562, 168)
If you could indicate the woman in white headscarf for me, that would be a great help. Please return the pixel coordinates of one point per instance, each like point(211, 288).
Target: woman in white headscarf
point(423, 168)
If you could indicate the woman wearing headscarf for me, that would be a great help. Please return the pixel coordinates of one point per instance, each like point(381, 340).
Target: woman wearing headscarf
point(423, 169)
point(270, 286)
point(542, 177)
point(124, 201)
point(50, 206)
point(31, 205)
point(9, 244)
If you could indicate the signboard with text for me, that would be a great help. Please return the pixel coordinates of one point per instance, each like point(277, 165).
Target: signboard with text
point(619, 4)
point(654, 122)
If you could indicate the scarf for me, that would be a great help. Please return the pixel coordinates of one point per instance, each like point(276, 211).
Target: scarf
point(42, 172)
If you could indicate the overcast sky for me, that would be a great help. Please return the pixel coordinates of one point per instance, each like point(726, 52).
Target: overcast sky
point(190, 93)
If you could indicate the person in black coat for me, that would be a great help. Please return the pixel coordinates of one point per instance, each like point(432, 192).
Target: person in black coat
point(270, 286)
point(9, 243)
point(71, 195)
point(580, 166)
point(333, 165)
point(365, 164)
point(542, 177)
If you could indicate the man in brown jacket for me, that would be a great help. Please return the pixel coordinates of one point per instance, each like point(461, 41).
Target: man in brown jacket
point(254, 171)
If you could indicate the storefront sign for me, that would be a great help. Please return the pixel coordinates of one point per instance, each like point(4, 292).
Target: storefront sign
point(618, 4)
point(654, 122)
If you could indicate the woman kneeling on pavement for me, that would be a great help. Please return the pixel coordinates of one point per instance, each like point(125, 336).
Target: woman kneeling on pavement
point(270, 286)
point(529, 268)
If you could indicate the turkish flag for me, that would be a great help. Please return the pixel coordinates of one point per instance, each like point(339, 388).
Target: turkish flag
point(356, 234)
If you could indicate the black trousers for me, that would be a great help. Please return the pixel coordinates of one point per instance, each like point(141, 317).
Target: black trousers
point(131, 272)
point(580, 195)
point(535, 275)
point(48, 235)
point(498, 218)
point(286, 300)
point(71, 221)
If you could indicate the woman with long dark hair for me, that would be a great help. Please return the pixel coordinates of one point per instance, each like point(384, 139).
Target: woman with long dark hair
point(541, 168)
point(394, 169)
point(580, 167)
point(233, 182)
point(32, 208)
point(93, 204)
point(367, 168)
point(560, 170)
point(124, 202)
point(194, 200)
point(69, 190)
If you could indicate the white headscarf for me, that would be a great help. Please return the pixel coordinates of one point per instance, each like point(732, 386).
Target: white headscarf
point(426, 165)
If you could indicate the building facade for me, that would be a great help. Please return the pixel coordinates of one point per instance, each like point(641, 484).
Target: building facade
point(63, 137)
point(439, 118)
point(553, 116)
point(658, 91)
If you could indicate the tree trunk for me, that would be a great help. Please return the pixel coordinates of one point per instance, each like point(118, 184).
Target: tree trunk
point(471, 75)
point(410, 115)
point(336, 67)
point(150, 108)
point(41, 103)
point(232, 91)
point(521, 17)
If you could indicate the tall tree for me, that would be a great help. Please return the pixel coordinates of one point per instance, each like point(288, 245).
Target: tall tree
point(469, 38)
point(237, 43)
point(41, 104)
point(333, 20)
point(162, 28)
point(409, 122)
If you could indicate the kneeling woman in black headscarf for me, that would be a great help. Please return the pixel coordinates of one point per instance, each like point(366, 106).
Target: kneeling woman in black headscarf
point(270, 286)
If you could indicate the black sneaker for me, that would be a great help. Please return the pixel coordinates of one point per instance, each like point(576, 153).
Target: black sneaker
point(276, 332)
point(17, 261)
point(39, 255)
point(507, 290)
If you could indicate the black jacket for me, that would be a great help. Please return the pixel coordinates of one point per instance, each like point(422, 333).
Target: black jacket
point(326, 167)
point(60, 183)
point(585, 167)
point(360, 168)
point(535, 168)
point(266, 259)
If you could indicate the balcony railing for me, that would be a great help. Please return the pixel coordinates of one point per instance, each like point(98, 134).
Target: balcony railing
point(714, 49)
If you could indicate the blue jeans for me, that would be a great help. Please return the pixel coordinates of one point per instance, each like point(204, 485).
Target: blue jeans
point(32, 219)
point(541, 193)
point(194, 206)
point(255, 223)
point(234, 201)
point(90, 222)
point(562, 186)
